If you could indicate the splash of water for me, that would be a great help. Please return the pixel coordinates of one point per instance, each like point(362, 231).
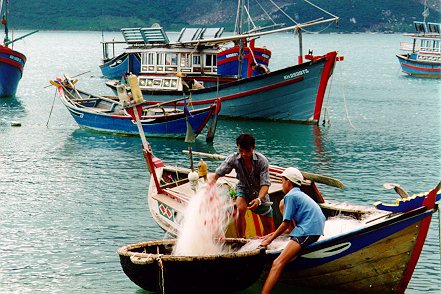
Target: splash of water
point(205, 222)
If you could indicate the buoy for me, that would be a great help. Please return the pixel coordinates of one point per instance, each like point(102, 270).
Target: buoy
point(202, 169)
point(15, 123)
point(193, 177)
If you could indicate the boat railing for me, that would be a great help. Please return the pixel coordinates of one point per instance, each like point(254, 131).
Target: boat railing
point(405, 46)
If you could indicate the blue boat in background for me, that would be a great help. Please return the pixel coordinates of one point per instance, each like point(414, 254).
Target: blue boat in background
point(423, 55)
point(11, 62)
point(108, 114)
point(11, 70)
point(120, 65)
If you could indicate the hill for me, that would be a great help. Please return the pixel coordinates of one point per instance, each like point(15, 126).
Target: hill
point(112, 15)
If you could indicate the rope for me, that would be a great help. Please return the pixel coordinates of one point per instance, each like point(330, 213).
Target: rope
point(249, 17)
point(52, 107)
point(290, 18)
point(267, 14)
point(344, 100)
point(319, 8)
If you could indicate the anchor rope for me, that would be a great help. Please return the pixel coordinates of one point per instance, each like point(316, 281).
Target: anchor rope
point(52, 107)
point(344, 100)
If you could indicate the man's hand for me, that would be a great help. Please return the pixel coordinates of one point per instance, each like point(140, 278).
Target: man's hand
point(254, 204)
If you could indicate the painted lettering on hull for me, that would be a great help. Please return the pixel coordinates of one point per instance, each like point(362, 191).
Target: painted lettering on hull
point(296, 74)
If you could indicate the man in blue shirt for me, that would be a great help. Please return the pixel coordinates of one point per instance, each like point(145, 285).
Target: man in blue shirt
point(302, 213)
point(252, 171)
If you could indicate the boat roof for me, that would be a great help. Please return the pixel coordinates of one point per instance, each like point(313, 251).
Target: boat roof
point(157, 36)
point(426, 30)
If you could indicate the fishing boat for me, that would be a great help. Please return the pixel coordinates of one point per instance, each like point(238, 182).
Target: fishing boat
point(11, 62)
point(152, 266)
point(107, 114)
point(422, 57)
point(293, 93)
point(379, 255)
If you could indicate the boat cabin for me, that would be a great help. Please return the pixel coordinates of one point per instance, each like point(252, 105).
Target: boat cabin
point(426, 44)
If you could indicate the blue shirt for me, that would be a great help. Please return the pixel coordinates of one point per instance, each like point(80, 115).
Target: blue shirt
point(306, 213)
point(249, 182)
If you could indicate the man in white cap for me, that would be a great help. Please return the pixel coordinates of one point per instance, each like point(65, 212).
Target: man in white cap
point(308, 219)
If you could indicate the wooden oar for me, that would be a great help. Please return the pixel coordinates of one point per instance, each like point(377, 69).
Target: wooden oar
point(278, 170)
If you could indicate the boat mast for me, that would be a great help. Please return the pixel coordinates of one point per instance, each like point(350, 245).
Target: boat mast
point(238, 31)
point(425, 11)
point(5, 21)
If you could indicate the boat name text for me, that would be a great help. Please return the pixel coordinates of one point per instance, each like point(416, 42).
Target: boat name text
point(296, 74)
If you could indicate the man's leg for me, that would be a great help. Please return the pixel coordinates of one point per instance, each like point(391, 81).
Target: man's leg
point(241, 205)
point(290, 251)
point(268, 224)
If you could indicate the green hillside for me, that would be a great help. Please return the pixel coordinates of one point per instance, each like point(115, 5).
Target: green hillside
point(112, 15)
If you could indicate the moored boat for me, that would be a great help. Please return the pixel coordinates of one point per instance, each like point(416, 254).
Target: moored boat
point(423, 55)
point(11, 62)
point(107, 114)
point(379, 255)
point(293, 93)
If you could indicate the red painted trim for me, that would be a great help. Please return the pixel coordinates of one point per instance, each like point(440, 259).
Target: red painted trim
point(12, 63)
point(262, 89)
point(12, 52)
point(151, 166)
point(242, 94)
point(256, 224)
point(429, 202)
point(327, 70)
point(421, 68)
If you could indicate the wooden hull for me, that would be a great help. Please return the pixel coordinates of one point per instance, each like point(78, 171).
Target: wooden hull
point(372, 260)
point(11, 71)
point(418, 68)
point(379, 257)
point(151, 266)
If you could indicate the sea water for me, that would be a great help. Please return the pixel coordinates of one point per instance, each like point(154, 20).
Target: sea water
point(69, 197)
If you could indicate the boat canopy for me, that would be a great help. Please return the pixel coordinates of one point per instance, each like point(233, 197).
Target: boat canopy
point(153, 35)
point(192, 34)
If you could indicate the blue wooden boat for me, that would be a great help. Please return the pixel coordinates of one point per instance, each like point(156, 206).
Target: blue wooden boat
point(107, 114)
point(11, 70)
point(422, 57)
point(11, 62)
point(120, 65)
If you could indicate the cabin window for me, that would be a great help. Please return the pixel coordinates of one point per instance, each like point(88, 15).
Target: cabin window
point(185, 60)
point(210, 60)
point(210, 63)
point(436, 47)
point(151, 59)
point(160, 59)
point(197, 64)
point(196, 60)
point(171, 59)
